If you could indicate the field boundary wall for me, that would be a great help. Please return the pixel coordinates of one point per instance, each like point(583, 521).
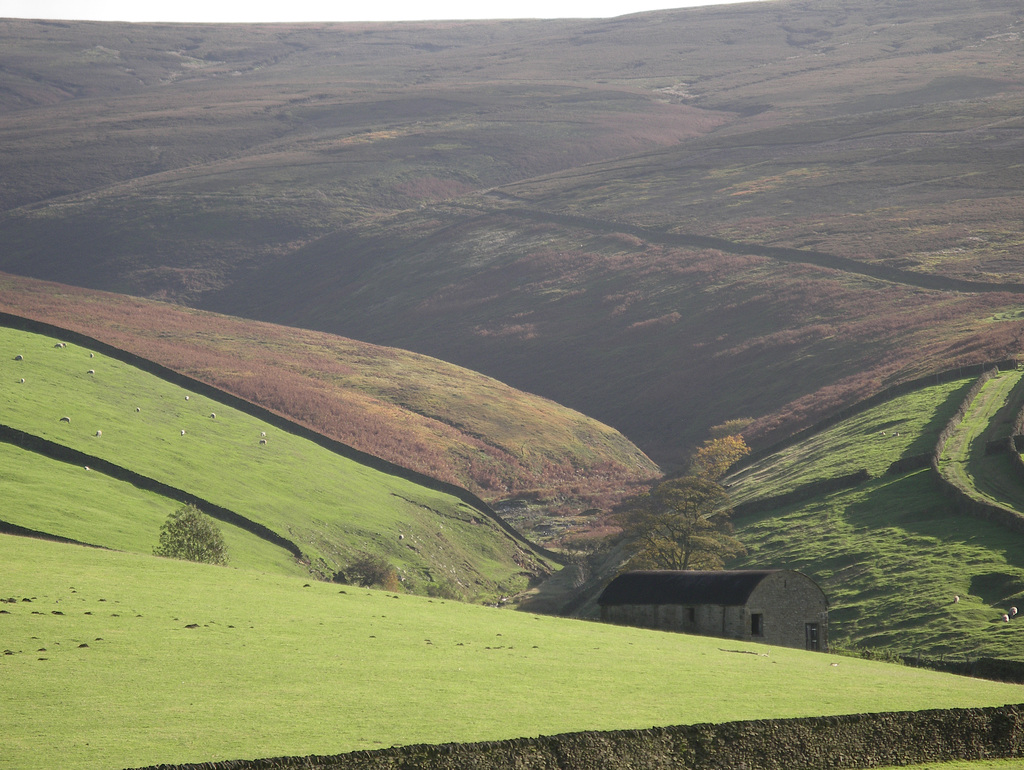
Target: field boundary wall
point(65, 454)
point(278, 421)
point(891, 392)
point(812, 743)
point(962, 500)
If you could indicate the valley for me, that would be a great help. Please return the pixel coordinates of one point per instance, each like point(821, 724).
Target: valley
point(447, 295)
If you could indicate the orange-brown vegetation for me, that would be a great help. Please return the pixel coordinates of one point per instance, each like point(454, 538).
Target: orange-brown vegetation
point(421, 413)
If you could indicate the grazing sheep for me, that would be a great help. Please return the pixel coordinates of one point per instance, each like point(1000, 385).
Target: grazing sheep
point(1006, 618)
point(183, 433)
point(213, 416)
point(87, 467)
point(65, 419)
point(99, 433)
point(1013, 612)
point(137, 409)
point(19, 357)
point(263, 441)
point(91, 355)
point(22, 379)
point(186, 398)
point(59, 345)
point(91, 371)
point(956, 599)
point(263, 433)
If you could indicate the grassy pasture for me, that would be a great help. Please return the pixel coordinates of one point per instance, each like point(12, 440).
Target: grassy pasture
point(59, 498)
point(187, 662)
point(905, 426)
point(333, 507)
point(891, 553)
point(992, 477)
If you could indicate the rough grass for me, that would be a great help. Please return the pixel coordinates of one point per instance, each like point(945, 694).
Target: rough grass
point(334, 508)
point(891, 553)
point(188, 663)
point(905, 426)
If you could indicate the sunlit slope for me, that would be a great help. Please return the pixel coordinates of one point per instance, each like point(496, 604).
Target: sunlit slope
point(890, 552)
point(134, 660)
point(333, 508)
point(439, 419)
point(62, 499)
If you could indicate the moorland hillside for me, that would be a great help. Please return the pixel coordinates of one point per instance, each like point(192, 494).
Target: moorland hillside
point(663, 220)
point(417, 412)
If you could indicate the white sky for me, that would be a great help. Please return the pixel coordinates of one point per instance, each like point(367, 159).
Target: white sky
point(325, 10)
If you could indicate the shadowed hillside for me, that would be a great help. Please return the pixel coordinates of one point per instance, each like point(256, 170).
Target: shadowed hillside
point(663, 220)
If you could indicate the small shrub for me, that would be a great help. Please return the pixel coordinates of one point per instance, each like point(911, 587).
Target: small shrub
point(191, 535)
point(370, 571)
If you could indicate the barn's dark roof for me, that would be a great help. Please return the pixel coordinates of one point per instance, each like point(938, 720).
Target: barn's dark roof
point(724, 587)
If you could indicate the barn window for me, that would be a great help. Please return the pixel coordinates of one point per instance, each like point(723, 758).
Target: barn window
point(691, 614)
point(757, 624)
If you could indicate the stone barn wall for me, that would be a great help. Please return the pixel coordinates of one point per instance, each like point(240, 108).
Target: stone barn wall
point(786, 602)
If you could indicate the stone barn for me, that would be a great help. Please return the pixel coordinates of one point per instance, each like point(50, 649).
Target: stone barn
point(780, 607)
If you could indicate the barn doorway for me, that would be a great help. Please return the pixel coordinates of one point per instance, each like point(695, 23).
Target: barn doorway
point(811, 634)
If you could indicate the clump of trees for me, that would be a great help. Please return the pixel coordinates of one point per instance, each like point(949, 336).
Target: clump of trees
point(683, 523)
point(191, 535)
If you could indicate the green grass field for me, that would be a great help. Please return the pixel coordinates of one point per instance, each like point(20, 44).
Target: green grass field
point(891, 553)
point(123, 659)
point(334, 508)
point(872, 440)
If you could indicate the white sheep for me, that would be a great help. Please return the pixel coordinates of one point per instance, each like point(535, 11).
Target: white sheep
point(1006, 618)
point(91, 355)
point(183, 433)
point(956, 599)
point(263, 434)
point(22, 379)
point(263, 441)
point(137, 409)
point(65, 419)
point(1013, 612)
point(99, 433)
point(213, 416)
point(19, 357)
point(91, 371)
point(186, 398)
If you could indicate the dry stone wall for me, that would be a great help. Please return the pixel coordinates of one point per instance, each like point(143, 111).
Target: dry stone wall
point(818, 743)
point(961, 498)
